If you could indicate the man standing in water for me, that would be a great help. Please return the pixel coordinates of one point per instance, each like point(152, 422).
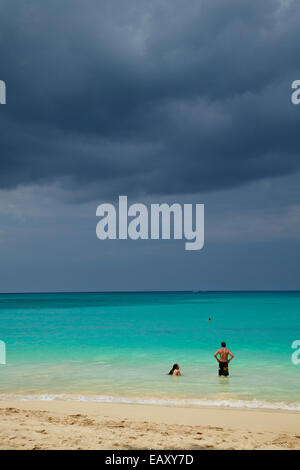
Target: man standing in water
point(223, 352)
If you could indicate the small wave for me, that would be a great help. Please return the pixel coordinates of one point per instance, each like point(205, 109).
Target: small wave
point(190, 403)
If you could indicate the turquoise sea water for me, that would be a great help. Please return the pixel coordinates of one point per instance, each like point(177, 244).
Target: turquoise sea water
point(120, 346)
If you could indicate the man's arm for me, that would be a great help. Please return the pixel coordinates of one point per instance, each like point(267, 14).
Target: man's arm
point(216, 355)
point(231, 355)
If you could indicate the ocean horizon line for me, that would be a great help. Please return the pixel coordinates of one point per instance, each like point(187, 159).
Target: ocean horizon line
point(204, 291)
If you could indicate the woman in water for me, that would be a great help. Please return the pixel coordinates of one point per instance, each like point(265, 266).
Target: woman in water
point(175, 370)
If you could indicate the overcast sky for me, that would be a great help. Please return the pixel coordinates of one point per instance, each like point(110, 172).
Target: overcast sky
point(163, 101)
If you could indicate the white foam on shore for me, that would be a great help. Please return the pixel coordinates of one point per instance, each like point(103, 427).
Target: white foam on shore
point(191, 403)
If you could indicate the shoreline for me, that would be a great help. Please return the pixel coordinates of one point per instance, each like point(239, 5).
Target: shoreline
point(219, 403)
point(89, 425)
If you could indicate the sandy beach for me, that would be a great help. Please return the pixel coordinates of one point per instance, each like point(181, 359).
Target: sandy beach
point(77, 425)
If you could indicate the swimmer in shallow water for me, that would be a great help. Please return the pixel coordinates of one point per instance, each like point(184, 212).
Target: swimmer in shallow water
point(223, 359)
point(175, 370)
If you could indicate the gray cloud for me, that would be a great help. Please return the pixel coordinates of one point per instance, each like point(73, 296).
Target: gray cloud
point(147, 97)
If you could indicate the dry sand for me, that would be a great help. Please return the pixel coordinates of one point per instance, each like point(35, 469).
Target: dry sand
point(77, 425)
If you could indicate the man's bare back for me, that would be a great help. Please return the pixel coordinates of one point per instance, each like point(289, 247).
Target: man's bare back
point(224, 353)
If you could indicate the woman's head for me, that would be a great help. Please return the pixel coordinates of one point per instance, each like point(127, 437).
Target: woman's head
point(175, 367)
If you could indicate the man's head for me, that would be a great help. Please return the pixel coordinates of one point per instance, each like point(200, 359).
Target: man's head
point(223, 344)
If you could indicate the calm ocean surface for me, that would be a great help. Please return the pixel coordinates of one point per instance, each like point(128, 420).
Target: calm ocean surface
point(119, 347)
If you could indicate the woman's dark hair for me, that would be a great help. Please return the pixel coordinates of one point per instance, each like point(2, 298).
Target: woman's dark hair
point(175, 366)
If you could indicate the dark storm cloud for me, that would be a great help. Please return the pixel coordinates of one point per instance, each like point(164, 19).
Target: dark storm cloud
point(147, 97)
